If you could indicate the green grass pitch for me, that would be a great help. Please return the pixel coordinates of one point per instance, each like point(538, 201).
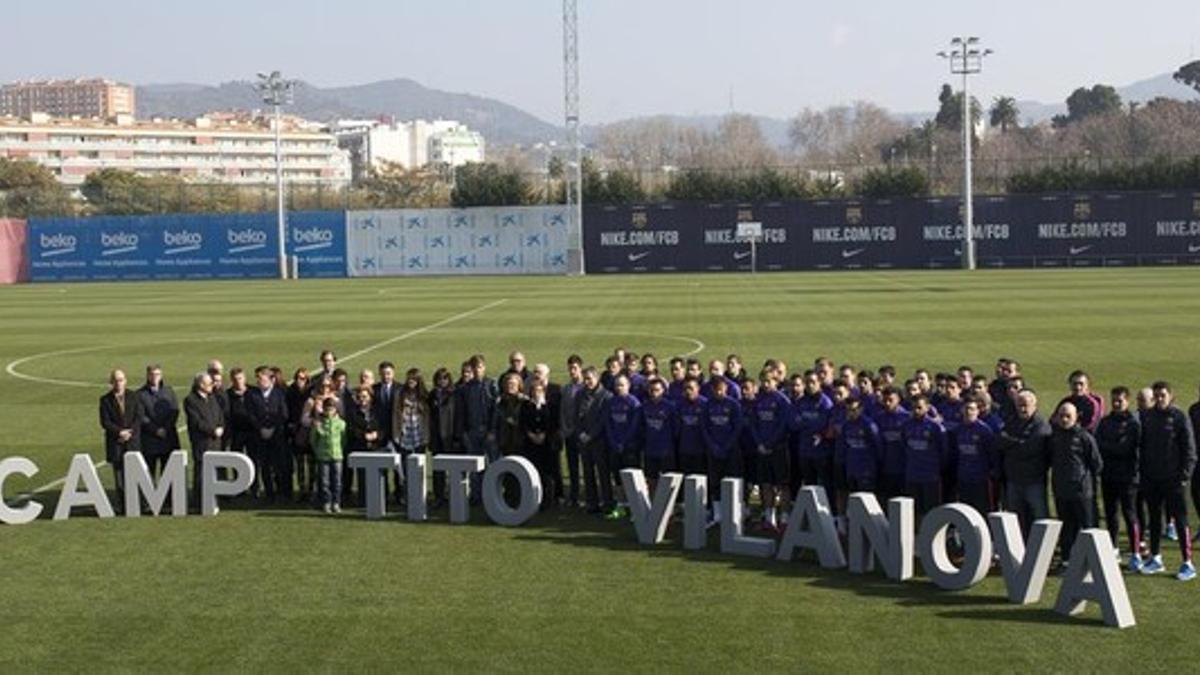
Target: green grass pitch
point(287, 589)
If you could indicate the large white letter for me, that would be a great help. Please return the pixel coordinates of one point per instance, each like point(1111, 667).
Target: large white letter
point(210, 487)
point(1095, 575)
point(650, 520)
point(24, 514)
point(93, 492)
point(811, 526)
point(493, 493)
point(138, 482)
point(732, 540)
point(695, 493)
point(1024, 565)
point(458, 470)
point(375, 466)
point(415, 483)
point(977, 546)
point(873, 536)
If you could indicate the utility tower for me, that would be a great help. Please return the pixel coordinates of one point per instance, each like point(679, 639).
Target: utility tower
point(574, 160)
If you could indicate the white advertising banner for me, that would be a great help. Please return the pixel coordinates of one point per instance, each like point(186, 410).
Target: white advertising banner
point(485, 240)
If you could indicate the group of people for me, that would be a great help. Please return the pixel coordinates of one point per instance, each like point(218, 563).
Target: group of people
point(936, 438)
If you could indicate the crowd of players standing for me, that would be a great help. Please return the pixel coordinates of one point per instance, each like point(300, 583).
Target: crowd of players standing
point(936, 438)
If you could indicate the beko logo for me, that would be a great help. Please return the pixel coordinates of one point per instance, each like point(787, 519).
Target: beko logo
point(312, 238)
point(182, 241)
point(57, 244)
point(248, 239)
point(116, 243)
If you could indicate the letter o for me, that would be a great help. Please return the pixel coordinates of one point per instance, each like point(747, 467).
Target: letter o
point(531, 491)
point(977, 546)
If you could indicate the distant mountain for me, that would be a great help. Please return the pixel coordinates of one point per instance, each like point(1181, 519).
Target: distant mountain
point(404, 99)
point(1141, 91)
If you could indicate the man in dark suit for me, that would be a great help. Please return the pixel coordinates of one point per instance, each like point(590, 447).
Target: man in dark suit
point(121, 418)
point(387, 392)
point(267, 406)
point(160, 414)
point(205, 424)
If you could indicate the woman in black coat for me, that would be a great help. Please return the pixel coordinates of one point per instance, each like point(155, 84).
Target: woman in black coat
point(539, 423)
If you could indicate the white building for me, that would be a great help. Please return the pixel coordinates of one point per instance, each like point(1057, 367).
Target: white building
point(223, 148)
point(409, 144)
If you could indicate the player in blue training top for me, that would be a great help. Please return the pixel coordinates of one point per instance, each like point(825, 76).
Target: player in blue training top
point(925, 457)
point(722, 427)
point(658, 417)
point(860, 449)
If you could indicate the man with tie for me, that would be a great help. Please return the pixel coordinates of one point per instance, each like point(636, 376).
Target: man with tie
point(160, 413)
point(267, 406)
point(121, 419)
point(386, 392)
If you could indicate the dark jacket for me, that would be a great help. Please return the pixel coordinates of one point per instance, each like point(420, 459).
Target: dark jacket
point(385, 408)
point(507, 425)
point(238, 412)
point(160, 411)
point(1119, 437)
point(204, 416)
point(1076, 462)
point(268, 413)
point(476, 405)
point(359, 423)
point(1024, 449)
point(113, 421)
point(539, 419)
point(443, 410)
point(589, 413)
point(1168, 445)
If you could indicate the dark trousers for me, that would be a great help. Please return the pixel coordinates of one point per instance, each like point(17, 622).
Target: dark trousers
point(546, 459)
point(118, 467)
point(276, 460)
point(156, 462)
point(596, 482)
point(573, 468)
point(1076, 514)
point(818, 471)
point(1028, 501)
point(1168, 494)
point(890, 485)
point(926, 494)
point(977, 495)
point(623, 459)
point(1122, 495)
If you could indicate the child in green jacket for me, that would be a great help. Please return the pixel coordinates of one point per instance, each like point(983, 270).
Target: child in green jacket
point(326, 438)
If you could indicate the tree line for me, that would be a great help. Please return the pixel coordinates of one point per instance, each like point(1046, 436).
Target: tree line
point(1099, 143)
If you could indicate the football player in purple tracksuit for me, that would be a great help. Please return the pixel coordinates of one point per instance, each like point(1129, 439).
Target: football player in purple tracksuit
point(678, 374)
point(658, 416)
point(691, 452)
point(891, 420)
point(722, 428)
point(925, 457)
point(622, 433)
point(813, 453)
point(769, 422)
point(974, 458)
point(861, 451)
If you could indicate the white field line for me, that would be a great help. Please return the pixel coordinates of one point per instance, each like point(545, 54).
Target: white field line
point(11, 367)
point(698, 345)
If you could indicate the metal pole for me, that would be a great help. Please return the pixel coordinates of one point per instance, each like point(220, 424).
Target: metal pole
point(968, 253)
point(282, 216)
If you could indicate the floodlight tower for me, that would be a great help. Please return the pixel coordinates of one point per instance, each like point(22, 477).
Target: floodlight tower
point(277, 92)
point(966, 58)
point(574, 164)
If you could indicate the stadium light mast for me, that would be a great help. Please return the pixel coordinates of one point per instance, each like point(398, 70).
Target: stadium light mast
point(574, 164)
point(278, 92)
point(966, 58)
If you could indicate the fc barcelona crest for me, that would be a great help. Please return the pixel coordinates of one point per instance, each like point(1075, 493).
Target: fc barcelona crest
point(1083, 210)
point(639, 219)
point(853, 215)
point(745, 216)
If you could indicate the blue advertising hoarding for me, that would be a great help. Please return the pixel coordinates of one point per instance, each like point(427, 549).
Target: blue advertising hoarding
point(183, 246)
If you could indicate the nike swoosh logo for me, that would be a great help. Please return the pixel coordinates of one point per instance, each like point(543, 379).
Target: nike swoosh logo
point(741, 255)
point(634, 257)
point(1076, 250)
point(852, 253)
point(1193, 248)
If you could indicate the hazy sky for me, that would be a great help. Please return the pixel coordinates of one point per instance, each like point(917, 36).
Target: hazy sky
point(637, 57)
